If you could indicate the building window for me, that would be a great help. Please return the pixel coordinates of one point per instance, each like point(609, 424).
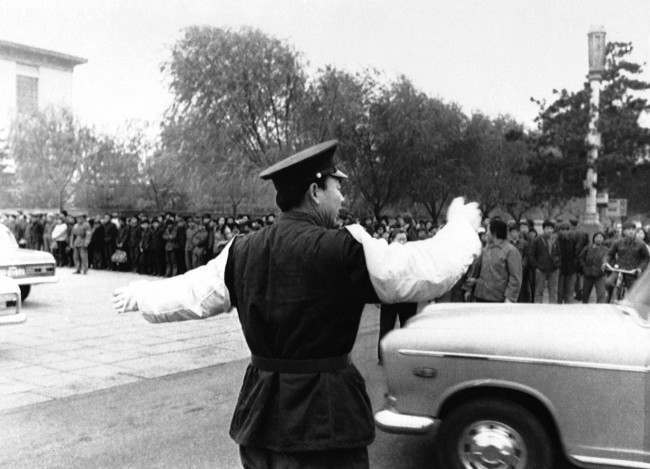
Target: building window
point(26, 94)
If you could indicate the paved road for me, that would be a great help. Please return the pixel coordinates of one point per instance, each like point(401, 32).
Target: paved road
point(178, 421)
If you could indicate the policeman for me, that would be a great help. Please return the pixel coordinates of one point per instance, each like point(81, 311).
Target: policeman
point(299, 287)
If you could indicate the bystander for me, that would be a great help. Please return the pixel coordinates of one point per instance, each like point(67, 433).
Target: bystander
point(500, 268)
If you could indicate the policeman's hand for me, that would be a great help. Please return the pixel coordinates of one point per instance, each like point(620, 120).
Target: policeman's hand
point(124, 300)
point(459, 210)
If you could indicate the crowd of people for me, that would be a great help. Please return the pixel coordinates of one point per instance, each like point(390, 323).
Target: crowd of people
point(163, 245)
point(562, 264)
point(558, 263)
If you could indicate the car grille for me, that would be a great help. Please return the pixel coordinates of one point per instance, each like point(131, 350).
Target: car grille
point(40, 270)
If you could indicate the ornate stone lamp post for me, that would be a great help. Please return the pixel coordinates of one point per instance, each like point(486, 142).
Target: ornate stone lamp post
point(596, 67)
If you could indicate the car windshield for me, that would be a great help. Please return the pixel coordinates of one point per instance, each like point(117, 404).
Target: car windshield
point(639, 295)
point(7, 240)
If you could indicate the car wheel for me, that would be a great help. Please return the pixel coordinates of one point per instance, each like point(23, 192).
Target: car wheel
point(493, 434)
point(24, 291)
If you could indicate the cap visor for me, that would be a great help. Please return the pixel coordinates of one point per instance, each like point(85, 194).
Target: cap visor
point(339, 174)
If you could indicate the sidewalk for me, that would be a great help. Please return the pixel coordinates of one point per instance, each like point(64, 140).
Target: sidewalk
point(74, 343)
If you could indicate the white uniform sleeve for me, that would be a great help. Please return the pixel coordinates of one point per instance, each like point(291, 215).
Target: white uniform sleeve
point(197, 294)
point(418, 271)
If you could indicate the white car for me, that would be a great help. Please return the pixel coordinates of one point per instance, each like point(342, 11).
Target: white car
point(26, 267)
point(10, 302)
point(525, 386)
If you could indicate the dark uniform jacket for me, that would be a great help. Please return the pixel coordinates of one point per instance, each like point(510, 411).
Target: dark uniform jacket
point(36, 233)
point(97, 237)
point(592, 259)
point(135, 234)
point(157, 242)
point(545, 254)
point(110, 234)
point(524, 249)
point(122, 240)
point(181, 236)
point(300, 289)
point(582, 241)
point(146, 240)
point(628, 253)
point(169, 236)
point(569, 252)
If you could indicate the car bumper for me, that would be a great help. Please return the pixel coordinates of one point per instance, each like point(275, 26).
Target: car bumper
point(36, 280)
point(390, 420)
point(9, 319)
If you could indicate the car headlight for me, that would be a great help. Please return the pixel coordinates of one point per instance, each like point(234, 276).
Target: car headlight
point(8, 304)
point(15, 272)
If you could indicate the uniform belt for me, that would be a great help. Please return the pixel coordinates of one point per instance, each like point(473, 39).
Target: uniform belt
point(316, 365)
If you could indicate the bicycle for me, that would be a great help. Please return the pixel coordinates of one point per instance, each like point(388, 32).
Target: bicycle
point(621, 283)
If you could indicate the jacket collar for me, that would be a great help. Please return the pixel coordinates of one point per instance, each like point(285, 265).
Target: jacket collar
point(627, 240)
point(496, 242)
point(299, 215)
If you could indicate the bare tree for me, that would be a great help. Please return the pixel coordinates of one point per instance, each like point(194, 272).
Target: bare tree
point(49, 148)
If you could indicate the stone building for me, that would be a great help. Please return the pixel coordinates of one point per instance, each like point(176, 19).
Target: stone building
point(30, 79)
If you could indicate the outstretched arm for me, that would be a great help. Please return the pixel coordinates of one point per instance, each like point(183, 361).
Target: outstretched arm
point(421, 271)
point(197, 294)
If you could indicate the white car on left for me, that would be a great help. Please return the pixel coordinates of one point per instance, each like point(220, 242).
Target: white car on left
point(26, 267)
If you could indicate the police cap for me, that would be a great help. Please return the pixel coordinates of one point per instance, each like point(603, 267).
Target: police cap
point(312, 164)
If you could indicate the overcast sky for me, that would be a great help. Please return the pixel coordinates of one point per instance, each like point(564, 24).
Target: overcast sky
point(488, 55)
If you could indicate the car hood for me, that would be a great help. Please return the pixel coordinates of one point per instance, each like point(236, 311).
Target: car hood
point(601, 333)
point(20, 256)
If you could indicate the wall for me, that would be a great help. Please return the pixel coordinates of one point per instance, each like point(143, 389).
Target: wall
point(54, 87)
point(8, 93)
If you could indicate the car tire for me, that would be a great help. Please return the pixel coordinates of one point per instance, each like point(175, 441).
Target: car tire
point(24, 291)
point(487, 425)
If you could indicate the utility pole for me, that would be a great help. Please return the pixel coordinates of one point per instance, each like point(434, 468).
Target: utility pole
point(596, 67)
